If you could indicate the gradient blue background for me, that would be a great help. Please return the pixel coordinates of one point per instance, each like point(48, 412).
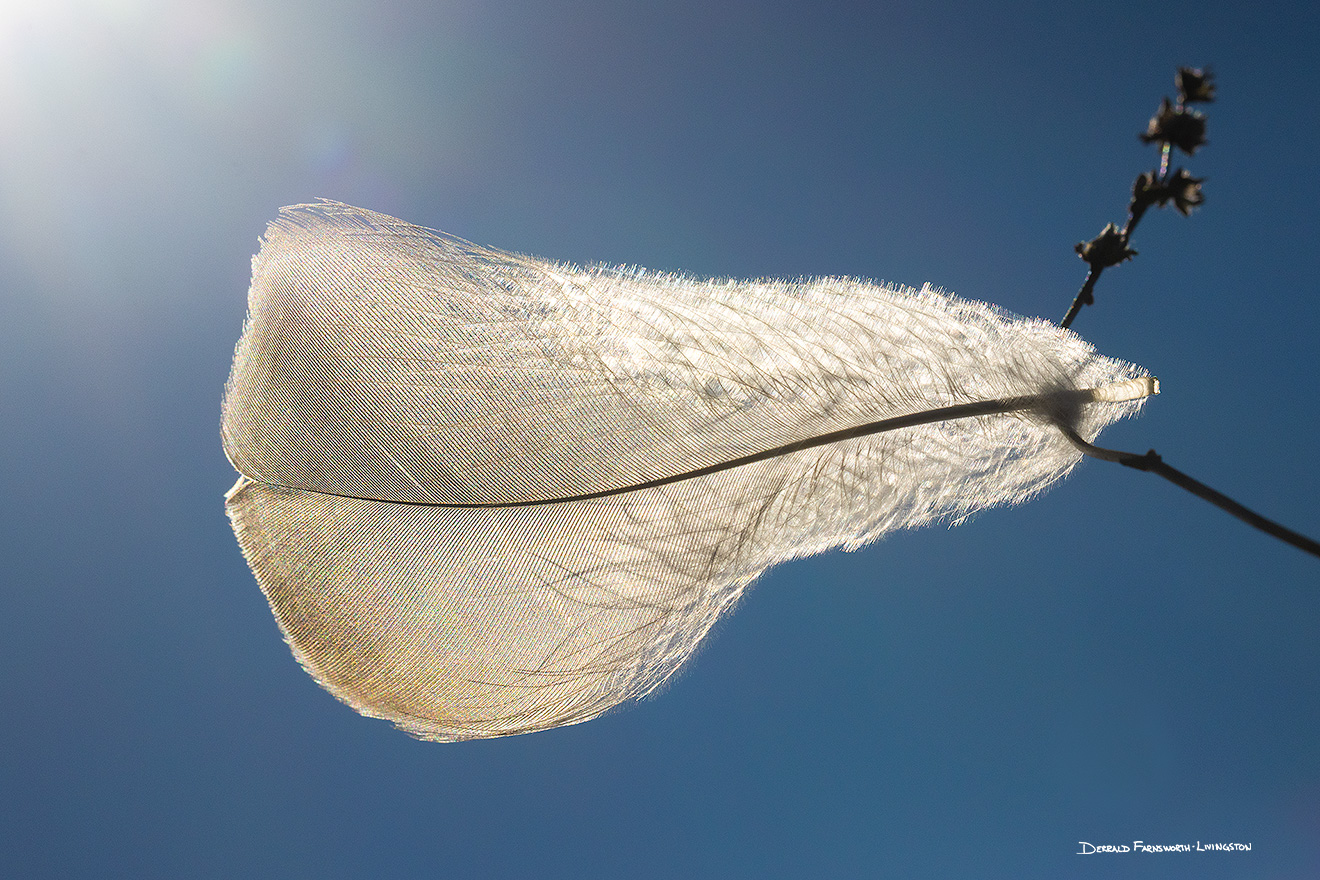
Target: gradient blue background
point(1113, 661)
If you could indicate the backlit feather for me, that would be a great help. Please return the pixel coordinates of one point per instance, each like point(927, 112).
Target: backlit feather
point(417, 421)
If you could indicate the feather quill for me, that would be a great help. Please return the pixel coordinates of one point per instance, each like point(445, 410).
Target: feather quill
point(467, 477)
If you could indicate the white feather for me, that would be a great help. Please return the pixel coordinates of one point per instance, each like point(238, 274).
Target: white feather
point(416, 421)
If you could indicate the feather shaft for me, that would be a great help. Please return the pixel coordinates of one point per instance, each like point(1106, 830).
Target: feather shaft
point(1117, 392)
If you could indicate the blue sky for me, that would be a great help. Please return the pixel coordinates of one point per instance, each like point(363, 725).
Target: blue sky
point(1114, 661)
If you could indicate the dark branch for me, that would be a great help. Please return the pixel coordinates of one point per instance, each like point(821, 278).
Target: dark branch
point(1152, 462)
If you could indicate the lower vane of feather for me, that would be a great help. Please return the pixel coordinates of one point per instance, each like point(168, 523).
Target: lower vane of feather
point(487, 494)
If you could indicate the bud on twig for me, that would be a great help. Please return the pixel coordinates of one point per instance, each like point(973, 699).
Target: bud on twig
point(1176, 125)
point(1195, 85)
point(1109, 248)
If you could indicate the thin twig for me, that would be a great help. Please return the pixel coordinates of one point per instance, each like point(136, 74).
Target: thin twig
point(1175, 123)
point(1084, 297)
point(1152, 462)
